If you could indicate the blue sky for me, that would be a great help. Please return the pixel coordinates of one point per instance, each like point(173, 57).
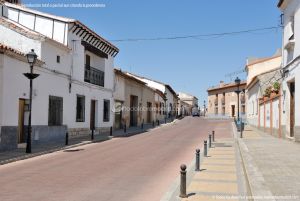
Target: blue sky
point(188, 65)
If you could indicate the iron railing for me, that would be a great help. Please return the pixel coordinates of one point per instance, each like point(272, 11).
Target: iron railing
point(94, 76)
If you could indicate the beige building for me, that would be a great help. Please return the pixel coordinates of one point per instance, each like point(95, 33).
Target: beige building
point(186, 103)
point(222, 100)
point(135, 102)
point(263, 93)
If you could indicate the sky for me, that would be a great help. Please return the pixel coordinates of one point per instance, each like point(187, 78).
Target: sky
point(188, 65)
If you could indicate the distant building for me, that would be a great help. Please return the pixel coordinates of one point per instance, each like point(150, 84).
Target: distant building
point(263, 106)
point(222, 100)
point(135, 102)
point(171, 96)
point(186, 103)
point(290, 69)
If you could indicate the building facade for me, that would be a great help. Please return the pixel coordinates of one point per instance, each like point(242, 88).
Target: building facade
point(291, 70)
point(222, 100)
point(263, 93)
point(74, 91)
point(186, 103)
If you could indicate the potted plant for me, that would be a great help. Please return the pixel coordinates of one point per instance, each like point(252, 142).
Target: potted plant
point(268, 91)
point(276, 87)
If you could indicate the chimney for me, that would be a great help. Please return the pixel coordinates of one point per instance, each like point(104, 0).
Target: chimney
point(221, 83)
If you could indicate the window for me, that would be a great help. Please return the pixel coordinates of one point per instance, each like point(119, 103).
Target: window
point(87, 60)
point(55, 113)
point(80, 108)
point(106, 110)
point(57, 59)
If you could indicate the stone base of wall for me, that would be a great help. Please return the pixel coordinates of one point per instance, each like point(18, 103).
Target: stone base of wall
point(80, 132)
point(40, 134)
point(8, 138)
point(297, 133)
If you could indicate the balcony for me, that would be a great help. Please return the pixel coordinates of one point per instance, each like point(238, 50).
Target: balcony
point(93, 76)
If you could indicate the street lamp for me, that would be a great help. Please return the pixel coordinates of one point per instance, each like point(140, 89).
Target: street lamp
point(165, 99)
point(31, 58)
point(238, 82)
point(204, 108)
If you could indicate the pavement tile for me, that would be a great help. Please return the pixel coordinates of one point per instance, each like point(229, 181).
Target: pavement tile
point(215, 187)
point(216, 176)
point(219, 161)
point(205, 198)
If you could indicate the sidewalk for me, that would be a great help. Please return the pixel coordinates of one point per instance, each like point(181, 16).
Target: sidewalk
point(272, 165)
point(41, 149)
point(221, 174)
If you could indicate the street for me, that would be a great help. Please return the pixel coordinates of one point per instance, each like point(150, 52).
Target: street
point(136, 168)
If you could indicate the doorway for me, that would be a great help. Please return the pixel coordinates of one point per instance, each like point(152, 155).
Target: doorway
point(93, 115)
point(133, 110)
point(232, 110)
point(21, 130)
point(292, 109)
point(149, 112)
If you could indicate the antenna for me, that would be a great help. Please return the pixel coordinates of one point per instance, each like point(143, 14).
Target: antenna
point(235, 73)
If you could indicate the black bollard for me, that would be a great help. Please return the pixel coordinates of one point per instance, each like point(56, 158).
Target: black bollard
point(92, 137)
point(67, 138)
point(205, 148)
point(153, 124)
point(142, 126)
point(183, 181)
point(213, 136)
point(110, 133)
point(125, 128)
point(158, 122)
point(209, 141)
point(197, 168)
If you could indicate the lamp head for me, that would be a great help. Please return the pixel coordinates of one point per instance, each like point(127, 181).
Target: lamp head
point(31, 57)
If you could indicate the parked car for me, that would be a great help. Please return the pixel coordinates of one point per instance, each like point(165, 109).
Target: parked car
point(195, 112)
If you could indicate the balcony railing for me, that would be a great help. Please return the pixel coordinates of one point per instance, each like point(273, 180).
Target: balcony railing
point(94, 76)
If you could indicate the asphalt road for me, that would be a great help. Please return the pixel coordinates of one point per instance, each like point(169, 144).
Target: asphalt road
point(136, 168)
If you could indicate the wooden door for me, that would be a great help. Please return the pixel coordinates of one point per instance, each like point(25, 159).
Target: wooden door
point(232, 110)
point(21, 132)
point(149, 106)
point(292, 108)
point(93, 114)
point(133, 110)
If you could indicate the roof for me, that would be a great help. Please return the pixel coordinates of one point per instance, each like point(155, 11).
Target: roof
point(166, 85)
point(28, 32)
point(77, 28)
point(11, 51)
point(262, 60)
point(126, 76)
point(255, 78)
point(225, 86)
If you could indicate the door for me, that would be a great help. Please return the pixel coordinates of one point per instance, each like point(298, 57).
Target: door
point(21, 132)
point(118, 114)
point(292, 108)
point(93, 114)
point(133, 110)
point(232, 110)
point(149, 112)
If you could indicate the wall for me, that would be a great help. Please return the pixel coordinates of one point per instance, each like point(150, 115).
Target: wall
point(253, 95)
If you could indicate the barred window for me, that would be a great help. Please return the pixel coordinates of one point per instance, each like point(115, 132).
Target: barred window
point(55, 113)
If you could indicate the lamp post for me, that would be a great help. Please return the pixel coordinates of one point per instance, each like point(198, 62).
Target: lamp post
point(31, 58)
point(204, 108)
point(238, 82)
point(165, 99)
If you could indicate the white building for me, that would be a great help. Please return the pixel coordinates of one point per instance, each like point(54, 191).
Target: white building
point(171, 96)
point(74, 91)
point(291, 70)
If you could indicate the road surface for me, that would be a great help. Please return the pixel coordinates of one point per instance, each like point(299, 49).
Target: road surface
point(136, 168)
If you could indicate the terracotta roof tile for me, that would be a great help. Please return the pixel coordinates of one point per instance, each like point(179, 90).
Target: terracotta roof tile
point(4, 48)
